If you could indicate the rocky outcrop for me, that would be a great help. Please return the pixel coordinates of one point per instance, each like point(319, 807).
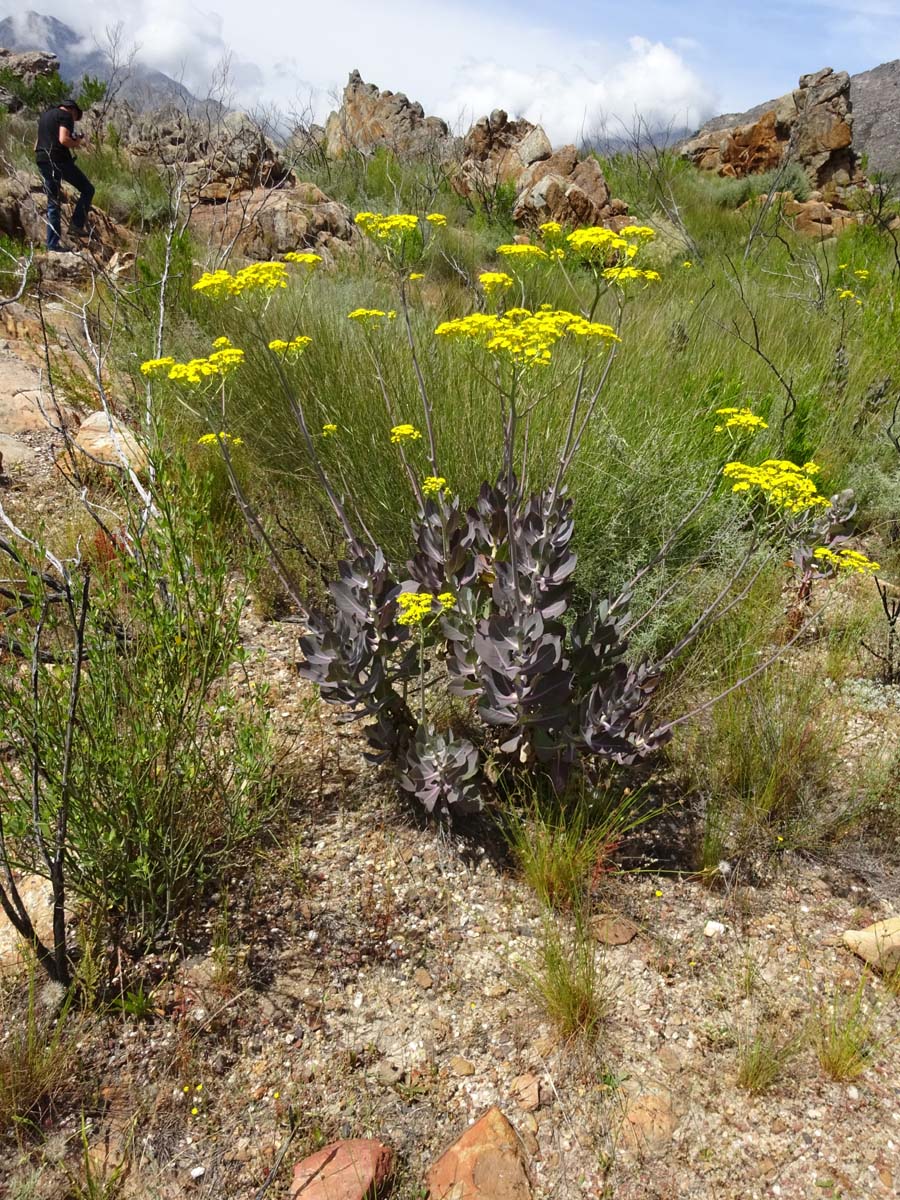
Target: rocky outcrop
point(369, 119)
point(267, 222)
point(29, 66)
point(550, 185)
point(876, 118)
point(218, 155)
point(813, 126)
point(23, 209)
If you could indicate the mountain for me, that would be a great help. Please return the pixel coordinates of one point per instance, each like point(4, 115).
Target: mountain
point(145, 88)
point(875, 100)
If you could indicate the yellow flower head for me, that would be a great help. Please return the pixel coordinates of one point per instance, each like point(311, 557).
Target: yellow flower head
point(292, 349)
point(257, 277)
point(687, 264)
point(433, 485)
point(329, 430)
point(404, 433)
point(368, 316)
point(213, 439)
point(303, 258)
point(222, 343)
point(623, 274)
point(446, 599)
point(414, 607)
point(739, 418)
point(780, 482)
point(391, 228)
point(846, 294)
point(847, 562)
point(436, 219)
point(157, 366)
point(524, 251)
point(597, 244)
point(415, 276)
point(525, 337)
point(494, 282)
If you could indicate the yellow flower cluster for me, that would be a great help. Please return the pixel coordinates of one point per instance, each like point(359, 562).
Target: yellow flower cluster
point(157, 366)
point(850, 562)
point(522, 250)
point(370, 316)
point(329, 430)
point(739, 418)
point(433, 485)
point(415, 276)
point(416, 606)
point(783, 483)
point(639, 231)
point(622, 274)
point(404, 433)
point(436, 219)
point(597, 243)
point(292, 349)
point(213, 439)
point(386, 228)
point(526, 337)
point(303, 258)
point(257, 277)
point(550, 229)
point(494, 282)
point(848, 294)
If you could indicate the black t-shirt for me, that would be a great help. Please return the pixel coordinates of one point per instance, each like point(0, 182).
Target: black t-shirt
point(49, 125)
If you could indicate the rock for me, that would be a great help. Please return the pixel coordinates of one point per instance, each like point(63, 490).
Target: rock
point(106, 442)
point(713, 929)
point(13, 453)
point(649, 1122)
point(813, 126)
point(347, 1170)
point(23, 208)
point(370, 119)
point(461, 1066)
point(268, 222)
point(876, 117)
point(614, 931)
point(423, 979)
point(37, 896)
point(486, 1163)
point(527, 1090)
point(496, 151)
point(388, 1073)
point(877, 944)
point(28, 66)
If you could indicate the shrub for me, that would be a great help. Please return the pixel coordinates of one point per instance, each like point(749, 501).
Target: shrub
point(42, 92)
point(132, 774)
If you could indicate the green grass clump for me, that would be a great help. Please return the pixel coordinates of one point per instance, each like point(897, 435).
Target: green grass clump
point(843, 1033)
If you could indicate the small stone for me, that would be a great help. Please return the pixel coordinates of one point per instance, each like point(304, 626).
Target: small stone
point(423, 979)
point(615, 931)
point(198, 1172)
point(713, 929)
point(387, 1073)
point(529, 1122)
point(649, 1121)
point(494, 991)
point(527, 1090)
point(485, 1163)
point(346, 1170)
point(877, 944)
point(461, 1066)
point(852, 1093)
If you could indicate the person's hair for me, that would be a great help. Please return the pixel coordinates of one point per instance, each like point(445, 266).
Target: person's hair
point(71, 104)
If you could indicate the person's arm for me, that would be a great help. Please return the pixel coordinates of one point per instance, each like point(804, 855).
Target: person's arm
point(69, 139)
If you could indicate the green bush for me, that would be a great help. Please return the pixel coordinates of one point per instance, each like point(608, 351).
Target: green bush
point(44, 91)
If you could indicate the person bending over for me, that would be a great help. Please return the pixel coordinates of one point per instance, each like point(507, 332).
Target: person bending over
point(56, 163)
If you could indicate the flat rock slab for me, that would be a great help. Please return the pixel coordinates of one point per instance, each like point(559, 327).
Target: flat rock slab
point(37, 896)
point(878, 944)
point(13, 453)
point(107, 442)
point(486, 1163)
point(348, 1170)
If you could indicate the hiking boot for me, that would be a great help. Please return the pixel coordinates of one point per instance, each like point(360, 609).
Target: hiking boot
point(79, 231)
point(62, 248)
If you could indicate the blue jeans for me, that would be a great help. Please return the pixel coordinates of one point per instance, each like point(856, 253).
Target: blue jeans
point(53, 174)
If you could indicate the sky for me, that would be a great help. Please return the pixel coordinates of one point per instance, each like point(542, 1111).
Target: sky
point(570, 65)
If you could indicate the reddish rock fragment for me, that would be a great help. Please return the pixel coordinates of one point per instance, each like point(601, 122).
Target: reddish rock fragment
point(349, 1170)
point(486, 1163)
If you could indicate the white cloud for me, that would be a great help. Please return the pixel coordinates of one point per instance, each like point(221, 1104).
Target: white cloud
point(459, 60)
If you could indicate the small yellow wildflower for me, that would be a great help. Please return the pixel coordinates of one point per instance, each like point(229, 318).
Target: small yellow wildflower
point(657, 893)
point(415, 276)
point(433, 485)
point(843, 266)
point(850, 562)
point(739, 418)
point(846, 294)
point(194, 1111)
point(329, 430)
point(550, 229)
point(156, 366)
point(367, 316)
point(436, 219)
point(185, 1088)
point(687, 264)
point(622, 274)
point(213, 439)
point(494, 281)
point(292, 349)
point(446, 599)
point(303, 258)
point(414, 607)
point(783, 484)
point(523, 250)
point(861, 274)
point(404, 433)
point(222, 343)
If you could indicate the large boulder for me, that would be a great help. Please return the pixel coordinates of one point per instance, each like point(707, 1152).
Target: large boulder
point(496, 151)
point(218, 154)
point(270, 221)
point(813, 126)
point(370, 119)
point(876, 117)
point(28, 66)
point(23, 217)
